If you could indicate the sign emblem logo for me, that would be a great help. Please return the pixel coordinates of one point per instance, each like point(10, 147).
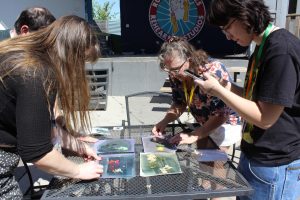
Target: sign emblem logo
point(184, 18)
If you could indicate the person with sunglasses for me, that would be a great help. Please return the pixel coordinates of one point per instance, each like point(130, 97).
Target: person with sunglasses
point(269, 102)
point(176, 56)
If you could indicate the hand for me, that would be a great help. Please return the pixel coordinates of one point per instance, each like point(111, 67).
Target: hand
point(89, 154)
point(183, 138)
point(210, 85)
point(89, 139)
point(158, 129)
point(89, 170)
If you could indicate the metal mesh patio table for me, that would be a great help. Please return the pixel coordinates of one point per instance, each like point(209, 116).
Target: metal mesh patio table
point(199, 180)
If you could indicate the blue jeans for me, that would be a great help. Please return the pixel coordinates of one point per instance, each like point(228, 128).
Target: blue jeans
point(271, 183)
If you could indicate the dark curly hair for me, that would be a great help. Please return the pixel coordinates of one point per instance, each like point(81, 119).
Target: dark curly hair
point(254, 14)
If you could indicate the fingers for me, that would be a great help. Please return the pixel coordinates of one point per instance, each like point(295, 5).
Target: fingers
point(96, 157)
point(156, 131)
point(90, 170)
point(99, 169)
point(209, 85)
point(206, 75)
point(92, 157)
point(159, 134)
point(201, 82)
point(89, 153)
point(198, 82)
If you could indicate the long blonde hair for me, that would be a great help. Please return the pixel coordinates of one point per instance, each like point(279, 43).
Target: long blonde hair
point(61, 50)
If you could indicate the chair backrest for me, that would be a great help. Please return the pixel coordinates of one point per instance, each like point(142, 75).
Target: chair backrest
point(146, 108)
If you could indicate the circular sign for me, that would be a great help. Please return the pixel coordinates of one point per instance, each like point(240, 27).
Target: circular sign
point(184, 18)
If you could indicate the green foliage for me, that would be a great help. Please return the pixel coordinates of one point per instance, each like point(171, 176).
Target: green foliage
point(103, 12)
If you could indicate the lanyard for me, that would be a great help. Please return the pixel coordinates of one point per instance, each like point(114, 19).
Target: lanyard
point(188, 97)
point(254, 64)
point(250, 82)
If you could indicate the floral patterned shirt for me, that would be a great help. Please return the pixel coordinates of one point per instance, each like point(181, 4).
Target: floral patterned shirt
point(203, 105)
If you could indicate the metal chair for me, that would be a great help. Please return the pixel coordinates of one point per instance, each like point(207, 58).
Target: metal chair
point(235, 158)
point(146, 108)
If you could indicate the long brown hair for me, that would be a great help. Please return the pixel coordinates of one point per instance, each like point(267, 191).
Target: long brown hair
point(61, 49)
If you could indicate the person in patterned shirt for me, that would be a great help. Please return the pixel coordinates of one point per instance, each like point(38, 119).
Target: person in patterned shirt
point(215, 119)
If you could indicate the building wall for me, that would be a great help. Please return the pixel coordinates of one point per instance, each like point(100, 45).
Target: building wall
point(279, 10)
point(10, 9)
point(128, 75)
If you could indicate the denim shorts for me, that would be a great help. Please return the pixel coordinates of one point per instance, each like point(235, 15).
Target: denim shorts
point(271, 183)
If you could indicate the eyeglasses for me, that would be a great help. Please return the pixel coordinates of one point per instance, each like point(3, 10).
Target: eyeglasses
point(173, 70)
point(225, 28)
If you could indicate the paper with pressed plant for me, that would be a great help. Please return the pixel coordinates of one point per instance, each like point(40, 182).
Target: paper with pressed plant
point(150, 145)
point(154, 164)
point(118, 165)
point(114, 146)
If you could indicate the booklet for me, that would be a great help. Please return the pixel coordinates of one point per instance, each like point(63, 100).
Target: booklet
point(154, 164)
point(157, 144)
point(114, 146)
point(100, 131)
point(118, 165)
point(206, 155)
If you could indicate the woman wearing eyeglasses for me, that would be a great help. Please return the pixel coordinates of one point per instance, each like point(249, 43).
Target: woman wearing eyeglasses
point(211, 113)
point(269, 101)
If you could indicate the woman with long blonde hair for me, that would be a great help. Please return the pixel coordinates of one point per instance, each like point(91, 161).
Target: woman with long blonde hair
point(34, 70)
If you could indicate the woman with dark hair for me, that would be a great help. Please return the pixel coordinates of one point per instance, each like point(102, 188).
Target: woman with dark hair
point(176, 56)
point(34, 69)
point(269, 102)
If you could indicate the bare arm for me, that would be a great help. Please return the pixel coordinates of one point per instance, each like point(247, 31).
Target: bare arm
point(55, 163)
point(236, 89)
point(173, 113)
point(199, 133)
point(261, 114)
point(74, 144)
point(209, 126)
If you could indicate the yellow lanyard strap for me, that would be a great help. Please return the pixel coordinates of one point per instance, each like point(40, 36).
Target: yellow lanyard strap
point(188, 97)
